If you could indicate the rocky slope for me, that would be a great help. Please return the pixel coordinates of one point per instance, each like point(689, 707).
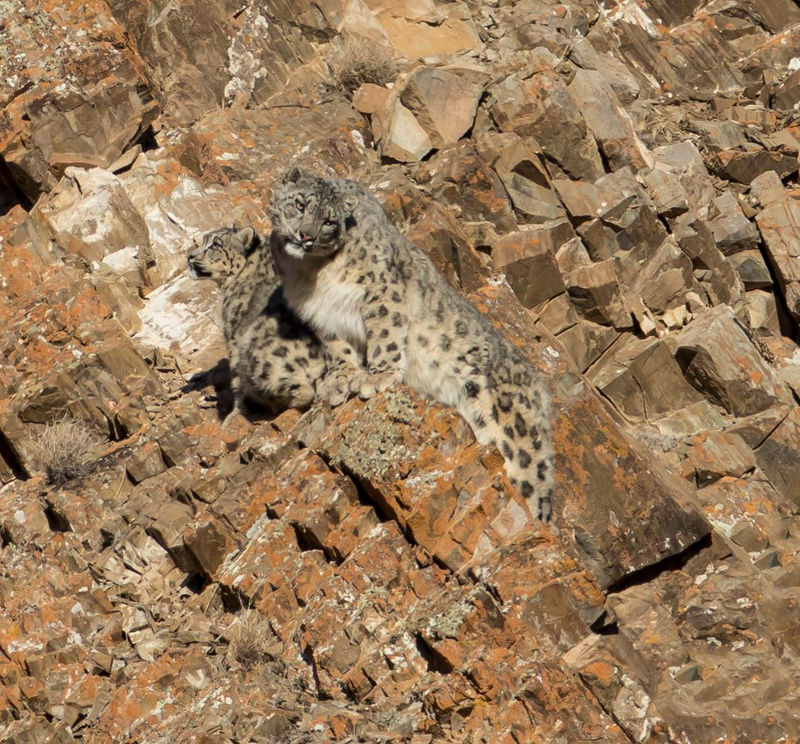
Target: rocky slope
point(614, 184)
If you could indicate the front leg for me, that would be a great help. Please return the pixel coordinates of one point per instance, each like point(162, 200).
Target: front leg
point(386, 325)
point(343, 365)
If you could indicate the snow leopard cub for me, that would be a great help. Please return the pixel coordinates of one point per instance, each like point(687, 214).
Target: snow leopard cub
point(275, 359)
point(350, 274)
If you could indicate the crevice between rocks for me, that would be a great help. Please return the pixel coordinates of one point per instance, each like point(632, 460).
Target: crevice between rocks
point(435, 661)
point(12, 195)
point(9, 455)
point(56, 520)
point(648, 573)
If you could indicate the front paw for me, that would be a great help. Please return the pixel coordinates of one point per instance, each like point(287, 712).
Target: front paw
point(370, 385)
point(335, 388)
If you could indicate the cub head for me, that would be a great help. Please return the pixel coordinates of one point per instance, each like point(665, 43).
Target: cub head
point(221, 253)
point(309, 215)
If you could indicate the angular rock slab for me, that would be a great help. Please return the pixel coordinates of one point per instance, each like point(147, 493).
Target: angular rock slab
point(74, 92)
point(444, 101)
point(720, 361)
point(779, 224)
point(622, 513)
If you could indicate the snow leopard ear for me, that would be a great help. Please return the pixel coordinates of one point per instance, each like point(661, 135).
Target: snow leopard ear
point(293, 175)
point(244, 237)
point(349, 204)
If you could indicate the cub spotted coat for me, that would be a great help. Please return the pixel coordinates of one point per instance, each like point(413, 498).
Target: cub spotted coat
point(275, 359)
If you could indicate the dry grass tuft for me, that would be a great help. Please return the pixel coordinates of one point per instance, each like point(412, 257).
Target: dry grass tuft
point(249, 639)
point(358, 60)
point(65, 449)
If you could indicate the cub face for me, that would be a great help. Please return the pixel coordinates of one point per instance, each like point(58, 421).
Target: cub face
point(219, 254)
point(309, 216)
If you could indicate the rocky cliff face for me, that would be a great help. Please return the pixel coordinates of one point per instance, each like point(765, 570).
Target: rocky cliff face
point(614, 184)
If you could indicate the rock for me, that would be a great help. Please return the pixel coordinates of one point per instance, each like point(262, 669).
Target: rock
point(59, 83)
point(719, 360)
point(428, 33)
point(778, 226)
point(541, 107)
point(643, 380)
point(732, 231)
point(404, 138)
point(586, 341)
point(752, 269)
point(523, 175)
point(762, 312)
point(608, 122)
point(461, 176)
point(787, 94)
point(668, 193)
point(715, 273)
point(684, 161)
point(618, 477)
point(595, 293)
point(527, 261)
point(443, 101)
point(767, 188)
point(367, 573)
point(777, 456)
point(743, 167)
point(717, 455)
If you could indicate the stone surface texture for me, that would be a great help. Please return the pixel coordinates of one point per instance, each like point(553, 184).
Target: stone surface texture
point(614, 184)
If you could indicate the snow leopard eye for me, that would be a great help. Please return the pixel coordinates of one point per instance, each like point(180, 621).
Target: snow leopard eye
point(299, 205)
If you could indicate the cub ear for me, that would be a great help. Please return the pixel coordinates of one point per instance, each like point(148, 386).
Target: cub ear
point(245, 237)
point(293, 175)
point(349, 203)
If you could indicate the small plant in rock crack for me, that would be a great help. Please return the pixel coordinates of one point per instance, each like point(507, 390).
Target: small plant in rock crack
point(356, 61)
point(249, 639)
point(65, 449)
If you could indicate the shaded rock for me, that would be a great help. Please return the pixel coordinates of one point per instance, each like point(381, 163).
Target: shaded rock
point(743, 167)
point(719, 360)
point(787, 94)
point(778, 456)
point(643, 380)
point(585, 341)
point(752, 269)
point(715, 273)
point(731, 229)
point(778, 224)
point(523, 175)
point(541, 107)
point(526, 258)
point(595, 293)
point(608, 122)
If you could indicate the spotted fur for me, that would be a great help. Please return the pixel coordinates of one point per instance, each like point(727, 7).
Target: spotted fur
point(275, 359)
point(350, 274)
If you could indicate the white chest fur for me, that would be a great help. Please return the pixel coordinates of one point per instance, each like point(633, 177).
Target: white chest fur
point(333, 309)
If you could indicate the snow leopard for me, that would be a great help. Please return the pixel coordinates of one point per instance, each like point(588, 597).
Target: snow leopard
point(276, 360)
point(350, 274)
